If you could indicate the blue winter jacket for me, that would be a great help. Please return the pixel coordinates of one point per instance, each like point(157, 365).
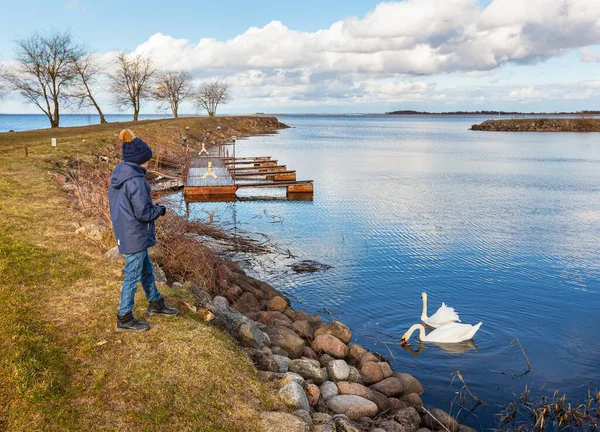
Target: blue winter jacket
point(131, 208)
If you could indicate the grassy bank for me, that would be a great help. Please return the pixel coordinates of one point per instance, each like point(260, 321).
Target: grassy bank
point(62, 365)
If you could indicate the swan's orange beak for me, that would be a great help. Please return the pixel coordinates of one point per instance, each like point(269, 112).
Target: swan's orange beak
point(402, 341)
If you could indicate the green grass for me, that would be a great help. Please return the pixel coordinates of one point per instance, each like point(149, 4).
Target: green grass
point(62, 365)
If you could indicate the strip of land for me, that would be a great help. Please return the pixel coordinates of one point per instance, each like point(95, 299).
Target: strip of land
point(540, 125)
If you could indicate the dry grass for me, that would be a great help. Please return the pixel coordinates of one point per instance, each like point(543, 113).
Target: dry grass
point(62, 366)
point(556, 413)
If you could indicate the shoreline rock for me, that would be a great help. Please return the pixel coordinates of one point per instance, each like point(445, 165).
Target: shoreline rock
point(316, 370)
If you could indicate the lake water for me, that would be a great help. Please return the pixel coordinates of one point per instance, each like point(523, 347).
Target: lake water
point(23, 122)
point(504, 227)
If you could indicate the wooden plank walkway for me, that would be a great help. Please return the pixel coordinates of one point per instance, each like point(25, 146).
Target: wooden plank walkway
point(211, 176)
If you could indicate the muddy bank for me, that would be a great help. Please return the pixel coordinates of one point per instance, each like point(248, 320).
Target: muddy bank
point(540, 125)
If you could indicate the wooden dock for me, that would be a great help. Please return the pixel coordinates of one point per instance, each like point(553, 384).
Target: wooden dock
point(209, 178)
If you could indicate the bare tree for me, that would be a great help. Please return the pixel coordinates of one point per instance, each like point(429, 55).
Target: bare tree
point(172, 88)
point(45, 71)
point(88, 71)
point(211, 94)
point(132, 81)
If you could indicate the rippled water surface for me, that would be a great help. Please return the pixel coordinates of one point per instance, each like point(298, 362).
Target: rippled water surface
point(504, 227)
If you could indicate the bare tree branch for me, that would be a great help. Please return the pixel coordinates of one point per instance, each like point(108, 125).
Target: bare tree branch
point(211, 94)
point(88, 71)
point(45, 71)
point(172, 88)
point(132, 81)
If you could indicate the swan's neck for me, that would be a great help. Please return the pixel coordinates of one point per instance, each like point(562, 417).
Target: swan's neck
point(424, 313)
point(422, 335)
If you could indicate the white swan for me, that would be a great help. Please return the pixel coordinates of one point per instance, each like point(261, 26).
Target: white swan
point(444, 314)
point(448, 333)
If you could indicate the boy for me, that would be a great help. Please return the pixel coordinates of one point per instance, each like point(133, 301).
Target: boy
point(133, 215)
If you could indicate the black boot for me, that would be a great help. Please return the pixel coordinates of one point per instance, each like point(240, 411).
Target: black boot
point(158, 307)
point(128, 323)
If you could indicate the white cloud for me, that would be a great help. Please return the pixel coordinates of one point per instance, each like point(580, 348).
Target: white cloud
point(393, 54)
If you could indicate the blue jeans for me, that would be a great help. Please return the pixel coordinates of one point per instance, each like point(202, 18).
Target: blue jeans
point(137, 267)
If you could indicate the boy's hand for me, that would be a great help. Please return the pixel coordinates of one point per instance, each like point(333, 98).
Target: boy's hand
point(163, 209)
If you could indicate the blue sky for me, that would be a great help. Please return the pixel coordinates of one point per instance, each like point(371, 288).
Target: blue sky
point(344, 56)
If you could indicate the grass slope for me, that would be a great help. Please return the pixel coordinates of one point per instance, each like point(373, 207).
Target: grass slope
point(62, 365)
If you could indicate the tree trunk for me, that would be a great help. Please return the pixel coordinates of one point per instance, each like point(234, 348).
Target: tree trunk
point(175, 109)
point(102, 119)
point(135, 114)
point(56, 113)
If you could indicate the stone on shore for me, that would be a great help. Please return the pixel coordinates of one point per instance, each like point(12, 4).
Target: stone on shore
point(325, 359)
point(372, 373)
point(352, 406)
point(281, 421)
point(304, 329)
point(312, 393)
point(444, 418)
point(246, 303)
point(412, 399)
point(304, 416)
point(291, 376)
point(292, 394)
point(355, 353)
point(338, 370)
point(283, 363)
point(330, 345)
point(277, 303)
point(354, 375)
point(388, 386)
point(237, 325)
point(348, 388)
point(285, 338)
point(328, 389)
point(308, 369)
point(408, 418)
point(262, 360)
point(409, 383)
point(310, 353)
point(271, 318)
point(343, 424)
point(319, 418)
point(337, 329)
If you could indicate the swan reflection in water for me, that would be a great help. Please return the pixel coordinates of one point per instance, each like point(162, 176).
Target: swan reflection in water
point(452, 348)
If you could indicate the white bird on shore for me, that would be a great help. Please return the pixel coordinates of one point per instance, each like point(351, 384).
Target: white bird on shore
point(444, 314)
point(448, 333)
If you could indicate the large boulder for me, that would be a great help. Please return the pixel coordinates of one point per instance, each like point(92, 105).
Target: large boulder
point(388, 386)
point(281, 421)
point(292, 394)
point(285, 338)
point(308, 369)
point(371, 373)
point(237, 325)
point(379, 399)
point(354, 407)
point(330, 345)
point(337, 329)
point(408, 418)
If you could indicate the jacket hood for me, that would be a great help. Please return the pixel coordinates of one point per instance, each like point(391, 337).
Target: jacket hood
point(125, 171)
